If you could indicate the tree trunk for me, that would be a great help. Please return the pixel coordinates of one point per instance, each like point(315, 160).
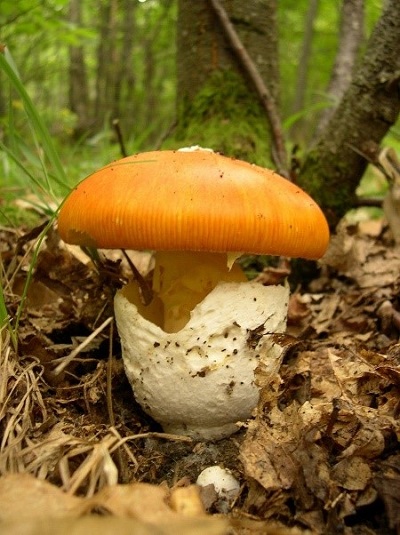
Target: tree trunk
point(124, 76)
point(107, 63)
point(217, 104)
point(78, 86)
point(302, 71)
point(350, 39)
point(334, 166)
point(152, 77)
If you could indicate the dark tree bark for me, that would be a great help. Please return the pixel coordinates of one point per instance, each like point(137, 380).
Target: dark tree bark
point(78, 94)
point(214, 91)
point(202, 47)
point(350, 39)
point(334, 166)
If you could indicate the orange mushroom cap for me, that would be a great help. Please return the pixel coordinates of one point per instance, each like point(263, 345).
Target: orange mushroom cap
point(194, 200)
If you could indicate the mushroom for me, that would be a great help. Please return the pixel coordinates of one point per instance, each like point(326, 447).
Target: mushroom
point(224, 484)
point(192, 353)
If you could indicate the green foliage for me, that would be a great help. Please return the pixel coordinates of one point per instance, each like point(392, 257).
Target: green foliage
point(291, 15)
point(306, 112)
point(40, 34)
point(45, 155)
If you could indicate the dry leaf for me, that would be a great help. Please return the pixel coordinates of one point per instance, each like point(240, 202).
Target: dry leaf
point(186, 501)
point(24, 497)
point(29, 506)
point(112, 525)
point(137, 500)
point(352, 473)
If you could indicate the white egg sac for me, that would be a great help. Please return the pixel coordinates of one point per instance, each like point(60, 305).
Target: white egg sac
point(200, 381)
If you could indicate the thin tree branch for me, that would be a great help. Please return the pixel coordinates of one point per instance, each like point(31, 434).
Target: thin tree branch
point(350, 39)
point(278, 150)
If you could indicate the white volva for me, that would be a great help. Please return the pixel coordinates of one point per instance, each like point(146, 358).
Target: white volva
point(200, 381)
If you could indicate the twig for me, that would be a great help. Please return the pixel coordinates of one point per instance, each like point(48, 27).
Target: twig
point(120, 137)
point(145, 290)
point(109, 377)
point(369, 201)
point(278, 151)
point(164, 135)
point(66, 360)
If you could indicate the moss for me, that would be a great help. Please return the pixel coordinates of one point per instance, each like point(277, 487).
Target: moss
point(335, 197)
point(227, 117)
point(12, 216)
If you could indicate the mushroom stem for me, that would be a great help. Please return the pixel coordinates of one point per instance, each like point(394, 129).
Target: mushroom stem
point(181, 280)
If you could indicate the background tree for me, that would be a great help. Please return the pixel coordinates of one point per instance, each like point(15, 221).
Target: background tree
point(94, 61)
point(368, 109)
point(304, 67)
point(370, 106)
point(108, 59)
point(351, 35)
point(78, 96)
point(217, 105)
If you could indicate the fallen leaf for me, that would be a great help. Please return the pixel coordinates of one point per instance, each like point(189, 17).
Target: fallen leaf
point(112, 525)
point(23, 497)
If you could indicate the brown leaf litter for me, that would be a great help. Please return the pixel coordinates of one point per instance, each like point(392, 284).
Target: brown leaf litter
point(320, 456)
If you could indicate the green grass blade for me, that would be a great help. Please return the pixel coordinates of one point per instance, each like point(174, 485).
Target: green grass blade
point(38, 127)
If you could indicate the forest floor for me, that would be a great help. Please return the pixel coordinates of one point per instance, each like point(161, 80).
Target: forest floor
point(321, 455)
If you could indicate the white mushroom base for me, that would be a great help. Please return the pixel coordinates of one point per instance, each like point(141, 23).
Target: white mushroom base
point(200, 381)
